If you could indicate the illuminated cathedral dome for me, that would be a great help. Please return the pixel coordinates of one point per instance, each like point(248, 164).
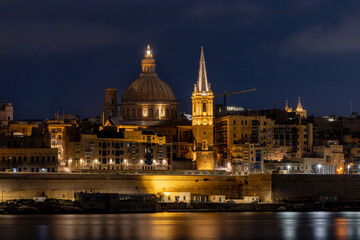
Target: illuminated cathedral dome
point(148, 97)
point(148, 87)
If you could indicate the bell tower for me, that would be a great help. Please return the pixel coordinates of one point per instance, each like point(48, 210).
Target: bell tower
point(110, 103)
point(203, 120)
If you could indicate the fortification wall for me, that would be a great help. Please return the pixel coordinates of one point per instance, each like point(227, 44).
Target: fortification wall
point(257, 185)
point(312, 186)
point(63, 186)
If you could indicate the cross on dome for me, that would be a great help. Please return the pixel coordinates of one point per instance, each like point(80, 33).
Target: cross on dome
point(148, 53)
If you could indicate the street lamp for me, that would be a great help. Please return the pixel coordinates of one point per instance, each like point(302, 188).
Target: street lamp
point(70, 160)
point(288, 167)
point(319, 166)
point(348, 167)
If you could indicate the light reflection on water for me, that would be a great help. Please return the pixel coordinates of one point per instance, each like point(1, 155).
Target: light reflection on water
point(161, 226)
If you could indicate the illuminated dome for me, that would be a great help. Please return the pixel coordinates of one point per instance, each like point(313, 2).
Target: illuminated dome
point(148, 97)
point(148, 87)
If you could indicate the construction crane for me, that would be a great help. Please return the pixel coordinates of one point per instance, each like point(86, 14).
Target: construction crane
point(233, 93)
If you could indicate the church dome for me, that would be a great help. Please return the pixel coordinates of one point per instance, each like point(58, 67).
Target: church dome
point(148, 98)
point(148, 88)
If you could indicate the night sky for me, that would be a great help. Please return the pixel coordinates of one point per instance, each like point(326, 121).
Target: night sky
point(60, 55)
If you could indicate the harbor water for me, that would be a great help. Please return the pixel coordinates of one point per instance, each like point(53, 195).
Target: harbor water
point(195, 225)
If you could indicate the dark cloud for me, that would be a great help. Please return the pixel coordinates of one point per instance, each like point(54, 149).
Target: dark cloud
point(70, 50)
point(341, 37)
point(38, 38)
point(246, 11)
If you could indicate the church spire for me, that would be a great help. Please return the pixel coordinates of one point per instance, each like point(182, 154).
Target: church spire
point(286, 106)
point(202, 83)
point(299, 107)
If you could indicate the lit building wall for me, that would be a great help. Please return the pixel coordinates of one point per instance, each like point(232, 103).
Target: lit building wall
point(25, 129)
point(28, 160)
point(6, 112)
point(203, 120)
point(234, 130)
point(136, 150)
point(247, 159)
point(57, 134)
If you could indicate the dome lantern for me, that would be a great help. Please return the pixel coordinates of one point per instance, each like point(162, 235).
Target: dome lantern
point(148, 97)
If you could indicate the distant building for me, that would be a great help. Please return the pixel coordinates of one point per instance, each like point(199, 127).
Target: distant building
point(57, 133)
point(247, 159)
point(22, 129)
point(299, 109)
point(333, 154)
point(233, 131)
point(28, 160)
point(6, 112)
point(123, 150)
point(110, 103)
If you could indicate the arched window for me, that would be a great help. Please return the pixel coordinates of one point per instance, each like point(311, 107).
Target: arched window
point(133, 112)
point(111, 100)
point(128, 112)
point(150, 112)
point(204, 107)
point(139, 112)
point(167, 113)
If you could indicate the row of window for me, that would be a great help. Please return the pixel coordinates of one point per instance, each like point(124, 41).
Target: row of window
point(253, 122)
point(31, 170)
point(31, 159)
point(121, 144)
point(117, 152)
point(122, 168)
point(163, 112)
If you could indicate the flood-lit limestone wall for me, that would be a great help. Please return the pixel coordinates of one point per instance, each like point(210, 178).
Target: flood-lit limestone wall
point(257, 185)
point(55, 185)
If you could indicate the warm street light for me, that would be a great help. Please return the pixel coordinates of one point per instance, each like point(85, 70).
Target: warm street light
point(319, 166)
point(348, 167)
point(288, 167)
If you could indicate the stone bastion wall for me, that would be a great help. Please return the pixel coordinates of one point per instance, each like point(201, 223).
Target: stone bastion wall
point(314, 187)
point(63, 186)
point(270, 188)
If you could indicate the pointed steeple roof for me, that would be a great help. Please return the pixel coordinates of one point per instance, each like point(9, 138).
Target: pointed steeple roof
point(299, 108)
point(286, 106)
point(202, 83)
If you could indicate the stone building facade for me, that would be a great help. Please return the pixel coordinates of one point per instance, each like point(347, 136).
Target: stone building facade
point(6, 112)
point(28, 160)
point(234, 131)
point(124, 150)
point(110, 104)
